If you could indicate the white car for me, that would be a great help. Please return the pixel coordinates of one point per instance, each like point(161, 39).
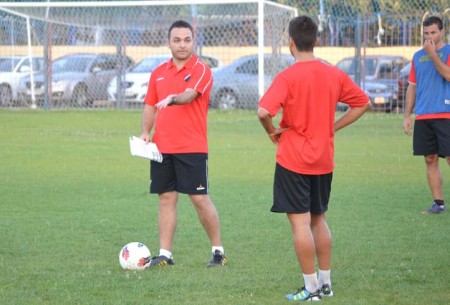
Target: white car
point(135, 82)
point(12, 69)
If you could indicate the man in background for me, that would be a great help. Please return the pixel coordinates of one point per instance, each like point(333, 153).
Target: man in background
point(428, 94)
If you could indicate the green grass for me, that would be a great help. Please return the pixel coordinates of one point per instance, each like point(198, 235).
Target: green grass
point(71, 196)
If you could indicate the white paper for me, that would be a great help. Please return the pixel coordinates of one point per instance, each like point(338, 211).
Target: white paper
point(149, 151)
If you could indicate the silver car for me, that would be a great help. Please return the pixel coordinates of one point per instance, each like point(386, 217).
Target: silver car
point(236, 85)
point(78, 79)
point(12, 69)
point(382, 69)
point(381, 98)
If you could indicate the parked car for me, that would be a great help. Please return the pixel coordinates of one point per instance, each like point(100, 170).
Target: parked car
point(212, 62)
point(12, 69)
point(402, 85)
point(135, 81)
point(381, 98)
point(384, 69)
point(77, 78)
point(236, 85)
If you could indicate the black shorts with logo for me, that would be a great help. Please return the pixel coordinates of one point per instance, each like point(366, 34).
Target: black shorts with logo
point(298, 193)
point(431, 137)
point(184, 173)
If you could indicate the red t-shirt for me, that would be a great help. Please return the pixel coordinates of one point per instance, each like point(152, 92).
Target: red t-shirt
point(308, 93)
point(181, 128)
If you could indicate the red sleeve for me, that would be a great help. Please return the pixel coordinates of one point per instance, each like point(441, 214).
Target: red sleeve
point(275, 97)
point(412, 74)
point(151, 98)
point(352, 94)
point(200, 79)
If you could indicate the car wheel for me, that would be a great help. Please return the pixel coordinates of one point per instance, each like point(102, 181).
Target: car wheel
point(80, 96)
point(227, 99)
point(5, 95)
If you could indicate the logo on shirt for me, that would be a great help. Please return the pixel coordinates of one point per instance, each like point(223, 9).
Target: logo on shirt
point(428, 58)
point(447, 102)
point(159, 79)
point(187, 77)
point(200, 187)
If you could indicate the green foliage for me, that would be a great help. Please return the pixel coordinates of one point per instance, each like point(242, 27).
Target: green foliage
point(72, 196)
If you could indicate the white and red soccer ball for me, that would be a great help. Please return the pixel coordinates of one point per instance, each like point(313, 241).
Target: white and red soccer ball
point(134, 256)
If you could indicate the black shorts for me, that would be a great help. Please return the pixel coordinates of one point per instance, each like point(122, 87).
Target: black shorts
point(431, 137)
point(184, 173)
point(298, 193)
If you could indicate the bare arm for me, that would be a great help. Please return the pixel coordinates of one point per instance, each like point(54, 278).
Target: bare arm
point(178, 99)
point(350, 116)
point(441, 67)
point(267, 123)
point(409, 106)
point(186, 97)
point(147, 122)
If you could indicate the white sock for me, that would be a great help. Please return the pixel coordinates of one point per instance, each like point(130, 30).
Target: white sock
point(311, 283)
point(324, 277)
point(220, 248)
point(165, 252)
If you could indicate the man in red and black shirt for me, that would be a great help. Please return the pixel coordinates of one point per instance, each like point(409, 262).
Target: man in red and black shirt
point(176, 107)
point(307, 93)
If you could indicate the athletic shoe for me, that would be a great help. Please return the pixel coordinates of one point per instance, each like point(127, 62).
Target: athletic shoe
point(161, 261)
point(326, 291)
point(436, 209)
point(304, 295)
point(218, 259)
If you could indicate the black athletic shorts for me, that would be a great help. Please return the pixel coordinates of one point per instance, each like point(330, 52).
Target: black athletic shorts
point(431, 137)
point(298, 193)
point(184, 173)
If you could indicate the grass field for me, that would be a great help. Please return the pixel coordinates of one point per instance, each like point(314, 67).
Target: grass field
point(71, 196)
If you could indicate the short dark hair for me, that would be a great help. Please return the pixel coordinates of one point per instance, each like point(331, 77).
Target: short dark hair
point(181, 24)
point(303, 31)
point(433, 20)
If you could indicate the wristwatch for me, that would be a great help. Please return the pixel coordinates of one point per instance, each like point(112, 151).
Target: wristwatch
point(173, 101)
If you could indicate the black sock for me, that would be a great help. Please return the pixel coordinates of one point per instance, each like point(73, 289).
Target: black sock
point(439, 202)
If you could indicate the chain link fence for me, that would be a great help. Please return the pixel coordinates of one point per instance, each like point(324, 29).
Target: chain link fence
point(86, 56)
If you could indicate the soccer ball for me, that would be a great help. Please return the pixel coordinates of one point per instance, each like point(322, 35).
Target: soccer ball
point(134, 256)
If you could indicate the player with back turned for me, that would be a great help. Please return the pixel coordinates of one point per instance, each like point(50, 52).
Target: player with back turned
point(307, 93)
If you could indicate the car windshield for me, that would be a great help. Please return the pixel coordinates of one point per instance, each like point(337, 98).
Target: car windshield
point(211, 62)
point(71, 64)
point(406, 69)
point(148, 64)
point(348, 66)
point(8, 64)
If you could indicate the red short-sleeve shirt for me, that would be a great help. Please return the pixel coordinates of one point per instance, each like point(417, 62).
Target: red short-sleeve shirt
point(308, 93)
point(181, 128)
